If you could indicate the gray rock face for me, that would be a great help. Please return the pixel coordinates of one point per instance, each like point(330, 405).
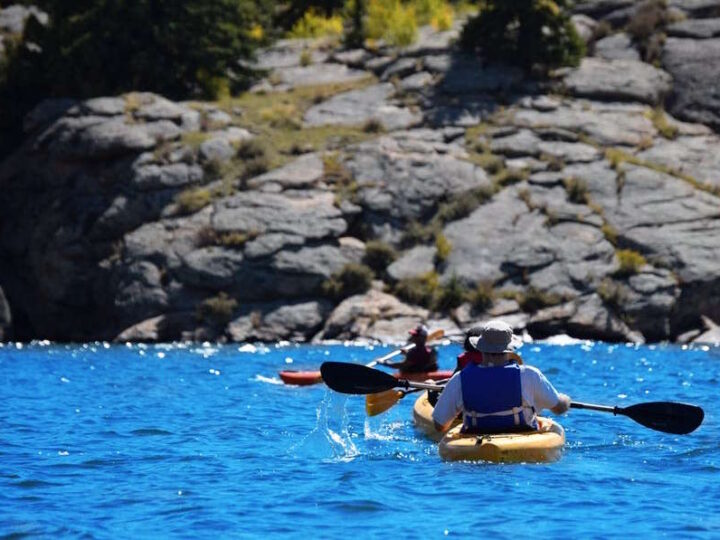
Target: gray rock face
point(395, 186)
point(695, 28)
point(584, 318)
point(688, 155)
point(608, 124)
point(585, 26)
point(286, 53)
point(502, 242)
point(697, 8)
point(616, 47)
point(415, 262)
point(618, 80)
point(212, 268)
point(310, 214)
point(5, 317)
point(694, 65)
point(175, 175)
point(359, 106)
point(374, 315)
point(711, 334)
point(315, 74)
point(304, 172)
point(274, 322)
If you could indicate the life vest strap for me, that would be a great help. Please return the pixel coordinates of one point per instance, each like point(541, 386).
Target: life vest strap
point(515, 412)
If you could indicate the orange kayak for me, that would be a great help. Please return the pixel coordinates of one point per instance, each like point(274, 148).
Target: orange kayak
point(306, 378)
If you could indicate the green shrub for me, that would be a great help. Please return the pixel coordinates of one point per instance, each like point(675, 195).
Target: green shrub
point(612, 293)
point(352, 279)
point(306, 58)
point(379, 255)
point(437, 13)
point(533, 299)
point(373, 125)
point(450, 295)
point(525, 33)
point(392, 21)
point(660, 121)
point(610, 233)
point(490, 162)
point(217, 310)
point(482, 296)
point(576, 189)
point(192, 200)
point(418, 290)
point(314, 25)
point(630, 262)
point(443, 248)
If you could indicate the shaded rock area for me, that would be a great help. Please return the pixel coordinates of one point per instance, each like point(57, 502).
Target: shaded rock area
point(5, 318)
point(573, 204)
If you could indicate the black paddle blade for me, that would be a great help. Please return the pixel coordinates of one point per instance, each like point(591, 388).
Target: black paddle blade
point(678, 418)
point(356, 379)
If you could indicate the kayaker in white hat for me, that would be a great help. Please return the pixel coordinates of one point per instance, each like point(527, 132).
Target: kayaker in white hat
point(421, 358)
point(494, 393)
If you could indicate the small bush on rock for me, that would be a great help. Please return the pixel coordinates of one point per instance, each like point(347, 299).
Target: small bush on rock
point(192, 200)
point(352, 279)
point(379, 255)
point(217, 310)
point(630, 262)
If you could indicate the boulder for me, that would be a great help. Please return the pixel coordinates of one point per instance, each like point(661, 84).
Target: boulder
point(584, 318)
point(695, 28)
point(359, 106)
point(286, 53)
point(297, 321)
point(622, 80)
point(711, 334)
point(616, 47)
point(163, 328)
point(585, 26)
point(14, 17)
point(176, 175)
point(311, 214)
point(692, 156)
point(695, 67)
point(304, 172)
point(413, 263)
point(374, 315)
point(211, 267)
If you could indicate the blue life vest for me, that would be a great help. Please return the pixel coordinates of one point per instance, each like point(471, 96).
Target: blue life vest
point(492, 400)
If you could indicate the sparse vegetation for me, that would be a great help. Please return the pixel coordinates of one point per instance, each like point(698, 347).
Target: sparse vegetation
point(314, 24)
point(612, 293)
point(533, 299)
point(611, 235)
point(352, 279)
point(192, 200)
point(482, 296)
point(340, 178)
point(217, 310)
point(379, 255)
point(450, 295)
point(443, 248)
point(392, 21)
point(418, 290)
point(630, 262)
point(373, 125)
point(646, 27)
point(660, 121)
point(576, 189)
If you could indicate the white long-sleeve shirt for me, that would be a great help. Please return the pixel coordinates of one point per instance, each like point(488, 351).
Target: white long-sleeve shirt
point(536, 391)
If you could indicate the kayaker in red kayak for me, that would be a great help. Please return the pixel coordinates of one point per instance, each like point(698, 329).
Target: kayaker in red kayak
point(419, 359)
point(494, 393)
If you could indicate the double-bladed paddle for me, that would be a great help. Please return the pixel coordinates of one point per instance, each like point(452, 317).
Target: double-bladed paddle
point(665, 416)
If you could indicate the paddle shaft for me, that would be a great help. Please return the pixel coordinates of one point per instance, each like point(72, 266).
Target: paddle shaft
point(591, 407)
point(437, 334)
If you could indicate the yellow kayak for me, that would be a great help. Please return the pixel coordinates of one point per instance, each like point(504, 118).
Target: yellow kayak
point(544, 445)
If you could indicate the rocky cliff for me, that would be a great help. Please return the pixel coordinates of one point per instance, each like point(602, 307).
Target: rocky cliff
point(573, 204)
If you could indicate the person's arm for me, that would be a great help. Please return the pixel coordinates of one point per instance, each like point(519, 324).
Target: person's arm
point(544, 395)
point(563, 404)
point(449, 404)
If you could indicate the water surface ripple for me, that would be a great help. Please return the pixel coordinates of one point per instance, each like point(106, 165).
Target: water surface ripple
point(193, 441)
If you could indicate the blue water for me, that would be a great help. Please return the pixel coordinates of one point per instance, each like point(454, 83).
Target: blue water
point(100, 441)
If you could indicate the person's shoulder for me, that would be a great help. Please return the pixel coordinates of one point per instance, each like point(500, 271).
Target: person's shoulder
point(531, 370)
